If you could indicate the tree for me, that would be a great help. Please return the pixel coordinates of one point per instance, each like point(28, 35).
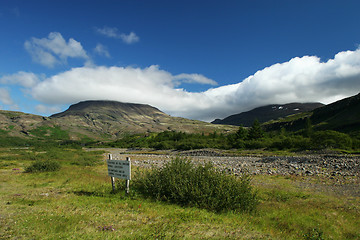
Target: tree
point(241, 133)
point(255, 132)
point(308, 128)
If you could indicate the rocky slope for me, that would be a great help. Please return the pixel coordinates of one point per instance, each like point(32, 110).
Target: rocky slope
point(19, 123)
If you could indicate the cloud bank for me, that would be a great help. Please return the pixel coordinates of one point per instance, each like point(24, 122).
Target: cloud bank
point(302, 79)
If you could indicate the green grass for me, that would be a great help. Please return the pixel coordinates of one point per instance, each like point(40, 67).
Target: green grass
point(47, 132)
point(76, 203)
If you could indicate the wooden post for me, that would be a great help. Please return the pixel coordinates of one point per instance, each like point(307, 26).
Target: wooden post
point(127, 181)
point(112, 178)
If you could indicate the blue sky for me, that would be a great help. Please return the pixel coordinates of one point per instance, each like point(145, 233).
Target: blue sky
point(195, 59)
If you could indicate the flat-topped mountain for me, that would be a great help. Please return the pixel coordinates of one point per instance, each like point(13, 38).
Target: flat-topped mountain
point(111, 109)
point(267, 113)
point(115, 119)
point(102, 120)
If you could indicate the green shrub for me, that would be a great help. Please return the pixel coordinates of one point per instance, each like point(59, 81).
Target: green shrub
point(183, 183)
point(257, 144)
point(314, 234)
point(43, 166)
point(331, 139)
point(290, 142)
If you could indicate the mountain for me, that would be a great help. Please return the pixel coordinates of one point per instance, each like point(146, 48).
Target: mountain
point(340, 115)
point(110, 109)
point(343, 116)
point(267, 113)
point(19, 123)
point(101, 120)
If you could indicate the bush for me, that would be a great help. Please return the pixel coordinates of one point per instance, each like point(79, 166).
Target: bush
point(290, 142)
point(43, 166)
point(257, 144)
point(314, 234)
point(180, 182)
point(331, 139)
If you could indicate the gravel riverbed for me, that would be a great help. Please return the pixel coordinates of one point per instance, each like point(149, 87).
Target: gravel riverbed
point(333, 171)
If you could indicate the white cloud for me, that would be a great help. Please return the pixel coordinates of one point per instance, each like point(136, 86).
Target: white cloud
point(304, 79)
point(5, 97)
point(54, 50)
point(25, 79)
point(114, 33)
point(102, 50)
point(118, 83)
point(129, 38)
point(194, 78)
point(42, 109)
point(108, 32)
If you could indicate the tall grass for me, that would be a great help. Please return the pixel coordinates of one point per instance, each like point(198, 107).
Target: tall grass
point(183, 183)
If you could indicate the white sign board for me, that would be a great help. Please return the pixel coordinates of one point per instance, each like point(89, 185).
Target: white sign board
point(119, 169)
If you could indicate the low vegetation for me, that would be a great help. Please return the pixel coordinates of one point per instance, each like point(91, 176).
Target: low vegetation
point(43, 166)
point(183, 183)
point(244, 139)
point(47, 132)
point(76, 202)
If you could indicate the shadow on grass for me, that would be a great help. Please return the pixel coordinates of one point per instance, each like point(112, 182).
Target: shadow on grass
point(97, 193)
point(88, 193)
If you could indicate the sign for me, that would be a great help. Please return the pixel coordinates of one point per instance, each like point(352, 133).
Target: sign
point(119, 169)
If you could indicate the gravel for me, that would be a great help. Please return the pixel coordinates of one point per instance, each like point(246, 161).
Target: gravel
point(306, 165)
point(334, 173)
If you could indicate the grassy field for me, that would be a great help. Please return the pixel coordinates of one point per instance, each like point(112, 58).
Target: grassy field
point(76, 203)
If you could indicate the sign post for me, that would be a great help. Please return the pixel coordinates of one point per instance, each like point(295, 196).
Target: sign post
point(119, 169)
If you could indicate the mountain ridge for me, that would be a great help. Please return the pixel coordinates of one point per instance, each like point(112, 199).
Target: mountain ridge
point(342, 115)
point(102, 119)
point(267, 113)
point(89, 105)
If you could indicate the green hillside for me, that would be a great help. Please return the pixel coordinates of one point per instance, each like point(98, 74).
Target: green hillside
point(342, 116)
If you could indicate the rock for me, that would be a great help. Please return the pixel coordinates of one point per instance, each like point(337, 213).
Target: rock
point(309, 165)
